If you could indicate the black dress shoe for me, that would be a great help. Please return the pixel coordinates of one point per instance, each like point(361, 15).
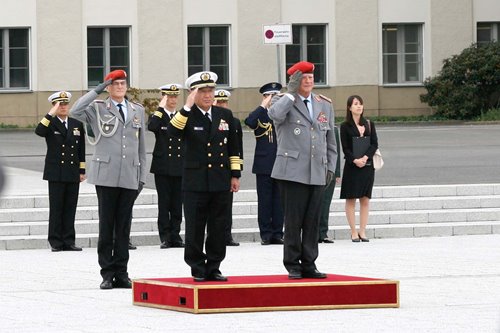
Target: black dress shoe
point(164, 245)
point(176, 244)
point(265, 242)
point(131, 246)
point(315, 274)
point(232, 243)
point(363, 239)
point(72, 248)
point(106, 284)
point(56, 249)
point(122, 283)
point(326, 240)
point(294, 274)
point(217, 277)
point(198, 279)
point(277, 241)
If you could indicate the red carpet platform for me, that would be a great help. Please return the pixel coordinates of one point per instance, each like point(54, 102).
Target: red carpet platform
point(265, 293)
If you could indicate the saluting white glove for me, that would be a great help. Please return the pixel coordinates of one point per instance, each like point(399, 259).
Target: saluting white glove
point(294, 83)
point(100, 88)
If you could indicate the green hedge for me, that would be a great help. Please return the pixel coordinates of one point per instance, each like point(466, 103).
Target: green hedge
point(468, 85)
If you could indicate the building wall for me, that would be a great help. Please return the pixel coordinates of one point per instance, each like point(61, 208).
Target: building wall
point(58, 48)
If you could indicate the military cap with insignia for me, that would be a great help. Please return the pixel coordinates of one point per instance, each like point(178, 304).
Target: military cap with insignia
point(201, 80)
point(222, 95)
point(60, 96)
point(171, 89)
point(118, 74)
point(303, 66)
point(270, 88)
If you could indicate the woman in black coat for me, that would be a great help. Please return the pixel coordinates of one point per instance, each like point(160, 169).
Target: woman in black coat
point(359, 174)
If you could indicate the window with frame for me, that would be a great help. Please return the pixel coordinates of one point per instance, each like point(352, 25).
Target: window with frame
point(487, 32)
point(14, 58)
point(309, 44)
point(108, 49)
point(208, 50)
point(402, 53)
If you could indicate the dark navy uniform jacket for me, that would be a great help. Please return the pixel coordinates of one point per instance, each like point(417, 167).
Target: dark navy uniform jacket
point(211, 149)
point(265, 135)
point(65, 159)
point(168, 150)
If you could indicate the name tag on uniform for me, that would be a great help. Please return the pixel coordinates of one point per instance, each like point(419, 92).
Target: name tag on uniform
point(57, 132)
point(198, 128)
point(163, 128)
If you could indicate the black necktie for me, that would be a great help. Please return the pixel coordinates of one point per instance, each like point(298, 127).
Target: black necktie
point(121, 111)
point(65, 129)
point(306, 101)
point(208, 117)
point(171, 116)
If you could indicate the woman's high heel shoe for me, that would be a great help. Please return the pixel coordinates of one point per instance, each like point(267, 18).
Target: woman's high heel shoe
point(362, 239)
point(355, 240)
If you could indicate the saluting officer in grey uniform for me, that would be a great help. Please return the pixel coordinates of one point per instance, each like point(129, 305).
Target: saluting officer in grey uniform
point(305, 162)
point(118, 169)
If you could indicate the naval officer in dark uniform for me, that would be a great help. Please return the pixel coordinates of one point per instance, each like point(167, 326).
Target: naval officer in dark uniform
point(211, 171)
point(305, 163)
point(222, 100)
point(64, 169)
point(117, 169)
point(167, 168)
point(269, 211)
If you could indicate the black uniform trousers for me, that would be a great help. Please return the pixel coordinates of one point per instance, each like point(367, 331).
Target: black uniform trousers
point(270, 214)
point(169, 207)
point(302, 208)
point(115, 213)
point(63, 199)
point(325, 210)
point(228, 237)
point(205, 210)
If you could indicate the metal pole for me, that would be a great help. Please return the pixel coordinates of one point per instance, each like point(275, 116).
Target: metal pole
point(278, 54)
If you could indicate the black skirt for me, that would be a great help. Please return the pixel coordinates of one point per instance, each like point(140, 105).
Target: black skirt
point(357, 182)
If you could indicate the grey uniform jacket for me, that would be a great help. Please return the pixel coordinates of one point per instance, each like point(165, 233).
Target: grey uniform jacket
point(307, 148)
point(119, 159)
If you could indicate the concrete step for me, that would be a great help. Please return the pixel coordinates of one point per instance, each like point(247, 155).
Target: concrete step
point(395, 211)
point(146, 209)
point(339, 233)
point(149, 196)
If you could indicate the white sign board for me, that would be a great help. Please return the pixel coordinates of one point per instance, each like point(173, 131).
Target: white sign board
point(277, 34)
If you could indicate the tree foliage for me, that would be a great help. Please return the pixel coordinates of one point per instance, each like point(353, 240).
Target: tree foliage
point(468, 84)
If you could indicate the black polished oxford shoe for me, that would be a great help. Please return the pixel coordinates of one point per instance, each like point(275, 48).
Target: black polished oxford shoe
point(315, 274)
point(176, 244)
point(122, 283)
point(164, 245)
point(199, 279)
point(56, 249)
point(106, 284)
point(71, 248)
point(131, 246)
point(265, 242)
point(232, 243)
point(326, 240)
point(217, 277)
point(277, 241)
point(294, 274)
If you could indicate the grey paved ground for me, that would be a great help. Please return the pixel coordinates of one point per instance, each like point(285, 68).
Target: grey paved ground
point(448, 284)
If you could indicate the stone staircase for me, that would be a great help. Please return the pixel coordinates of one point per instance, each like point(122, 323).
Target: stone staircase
point(395, 211)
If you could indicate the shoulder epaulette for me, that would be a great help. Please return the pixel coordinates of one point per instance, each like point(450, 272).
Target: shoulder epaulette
point(318, 97)
point(136, 103)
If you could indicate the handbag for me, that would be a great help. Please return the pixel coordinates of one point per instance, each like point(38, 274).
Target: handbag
point(378, 161)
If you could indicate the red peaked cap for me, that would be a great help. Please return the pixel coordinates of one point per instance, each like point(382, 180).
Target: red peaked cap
point(118, 74)
point(303, 66)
